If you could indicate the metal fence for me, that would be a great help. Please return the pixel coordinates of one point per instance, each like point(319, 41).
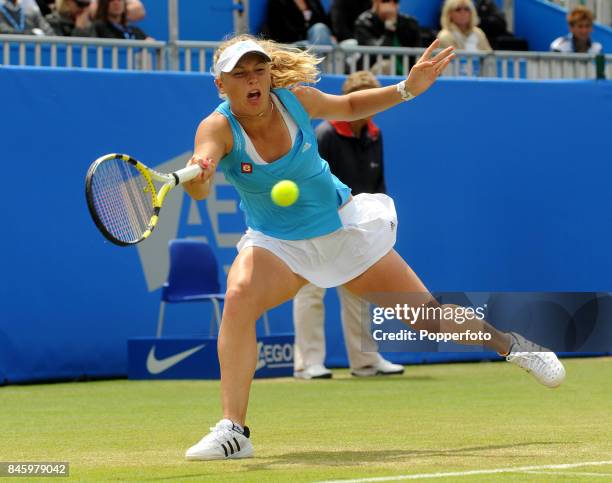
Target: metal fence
point(189, 56)
point(39, 51)
point(197, 57)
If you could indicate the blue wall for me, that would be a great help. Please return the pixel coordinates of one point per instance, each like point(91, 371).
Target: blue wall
point(198, 19)
point(540, 22)
point(492, 195)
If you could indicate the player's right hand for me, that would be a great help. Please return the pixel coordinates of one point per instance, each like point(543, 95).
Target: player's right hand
point(208, 168)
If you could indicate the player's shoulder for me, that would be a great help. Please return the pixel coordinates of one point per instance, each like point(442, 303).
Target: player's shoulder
point(306, 94)
point(308, 97)
point(215, 123)
point(215, 126)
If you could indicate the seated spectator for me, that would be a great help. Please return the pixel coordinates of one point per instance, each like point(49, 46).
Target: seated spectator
point(29, 5)
point(459, 22)
point(580, 21)
point(111, 22)
point(291, 21)
point(493, 24)
point(135, 10)
point(343, 14)
point(71, 19)
point(45, 6)
point(16, 19)
point(384, 25)
point(492, 21)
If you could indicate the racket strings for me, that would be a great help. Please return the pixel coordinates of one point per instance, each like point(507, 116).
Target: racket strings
point(122, 199)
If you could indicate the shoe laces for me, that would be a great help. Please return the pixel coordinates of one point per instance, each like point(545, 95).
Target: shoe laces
point(221, 432)
point(521, 344)
point(535, 361)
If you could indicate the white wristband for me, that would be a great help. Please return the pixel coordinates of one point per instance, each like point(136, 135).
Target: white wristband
point(405, 93)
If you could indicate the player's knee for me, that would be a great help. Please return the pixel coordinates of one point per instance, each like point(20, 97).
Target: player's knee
point(242, 298)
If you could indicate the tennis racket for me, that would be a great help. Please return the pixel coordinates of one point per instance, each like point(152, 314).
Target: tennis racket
point(122, 198)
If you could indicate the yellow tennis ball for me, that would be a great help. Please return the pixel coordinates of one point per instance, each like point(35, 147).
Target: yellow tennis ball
point(285, 193)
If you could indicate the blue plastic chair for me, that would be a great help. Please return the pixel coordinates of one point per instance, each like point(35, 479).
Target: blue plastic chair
point(194, 277)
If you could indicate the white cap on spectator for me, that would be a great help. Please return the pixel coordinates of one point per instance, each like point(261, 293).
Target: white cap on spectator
point(230, 56)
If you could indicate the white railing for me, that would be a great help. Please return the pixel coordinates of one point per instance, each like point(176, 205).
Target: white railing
point(194, 56)
point(34, 50)
point(197, 57)
point(601, 8)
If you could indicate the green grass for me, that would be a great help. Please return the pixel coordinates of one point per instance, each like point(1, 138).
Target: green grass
point(437, 418)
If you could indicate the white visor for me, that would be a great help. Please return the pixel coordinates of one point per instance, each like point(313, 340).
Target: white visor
point(230, 56)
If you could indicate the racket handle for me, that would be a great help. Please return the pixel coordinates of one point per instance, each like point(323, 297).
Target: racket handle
point(187, 174)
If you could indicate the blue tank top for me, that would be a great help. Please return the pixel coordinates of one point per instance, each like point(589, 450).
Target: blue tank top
point(315, 213)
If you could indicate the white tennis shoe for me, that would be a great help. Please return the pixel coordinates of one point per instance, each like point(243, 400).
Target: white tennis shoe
point(382, 368)
point(225, 441)
point(541, 362)
point(314, 371)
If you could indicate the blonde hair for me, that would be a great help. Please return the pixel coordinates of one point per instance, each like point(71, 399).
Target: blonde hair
point(358, 81)
point(290, 66)
point(61, 6)
point(450, 5)
point(580, 14)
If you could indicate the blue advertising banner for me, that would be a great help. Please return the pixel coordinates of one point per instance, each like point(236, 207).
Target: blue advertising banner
point(493, 193)
point(197, 358)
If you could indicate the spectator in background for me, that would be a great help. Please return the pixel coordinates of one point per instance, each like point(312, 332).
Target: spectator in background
point(17, 19)
point(354, 153)
point(493, 24)
point(135, 10)
point(492, 21)
point(29, 5)
point(343, 14)
point(291, 21)
point(384, 25)
point(580, 21)
point(71, 19)
point(459, 22)
point(45, 6)
point(111, 22)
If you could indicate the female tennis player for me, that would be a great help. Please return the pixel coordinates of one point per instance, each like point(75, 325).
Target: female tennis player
point(262, 134)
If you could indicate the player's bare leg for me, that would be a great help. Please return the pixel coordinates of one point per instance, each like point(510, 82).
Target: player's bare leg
point(257, 281)
point(391, 281)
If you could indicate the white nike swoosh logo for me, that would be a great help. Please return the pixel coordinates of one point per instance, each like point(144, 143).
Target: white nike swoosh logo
point(157, 366)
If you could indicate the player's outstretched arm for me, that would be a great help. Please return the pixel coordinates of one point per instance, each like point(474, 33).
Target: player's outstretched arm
point(212, 141)
point(365, 103)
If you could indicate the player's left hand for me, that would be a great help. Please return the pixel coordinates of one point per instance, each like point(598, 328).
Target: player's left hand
point(424, 73)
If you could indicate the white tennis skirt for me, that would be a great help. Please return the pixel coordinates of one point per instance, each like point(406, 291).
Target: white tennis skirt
point(369, 228)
